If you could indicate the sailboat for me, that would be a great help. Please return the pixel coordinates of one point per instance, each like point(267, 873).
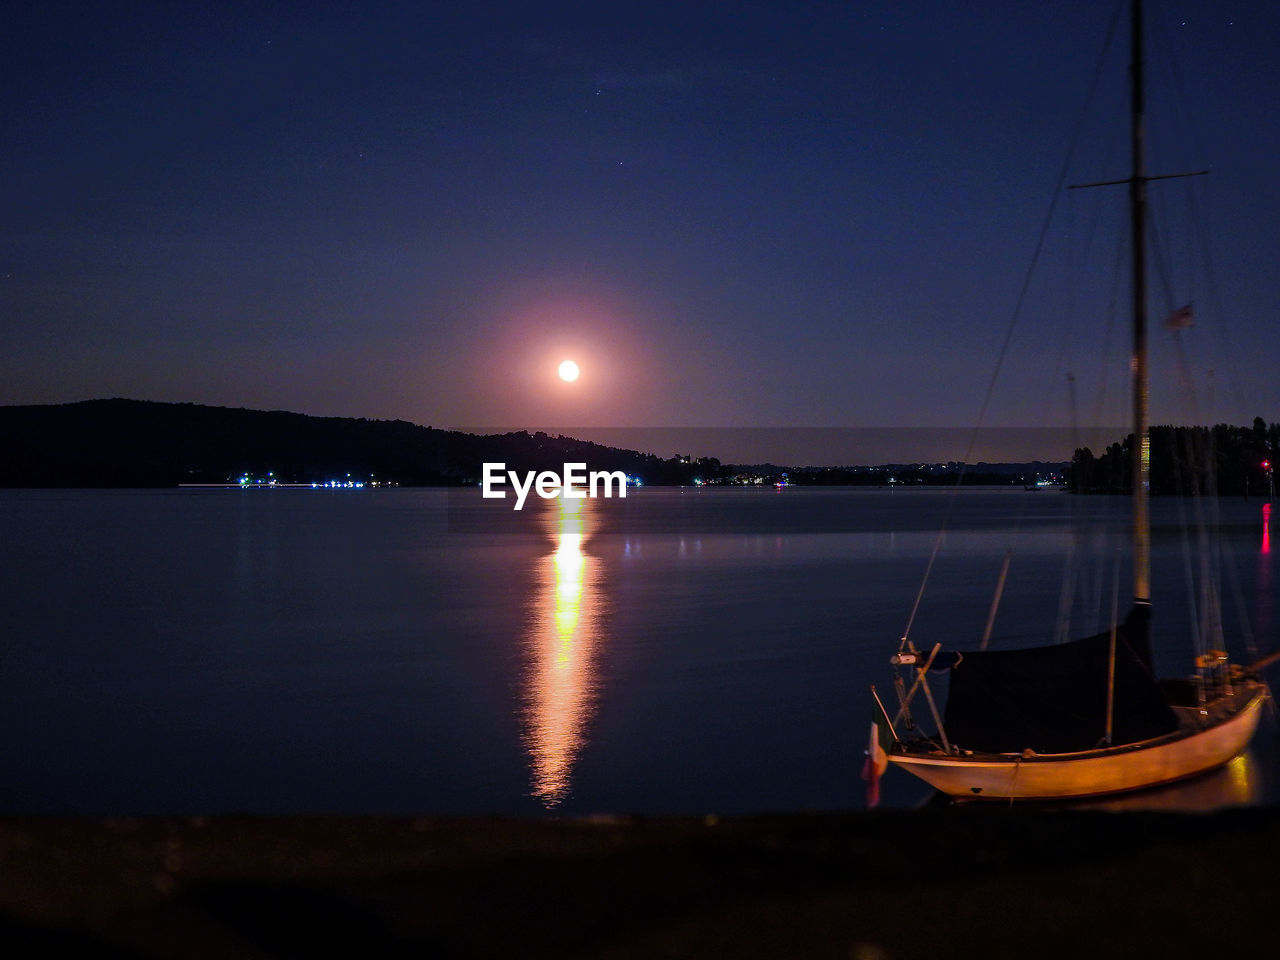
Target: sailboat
point(1086, 717)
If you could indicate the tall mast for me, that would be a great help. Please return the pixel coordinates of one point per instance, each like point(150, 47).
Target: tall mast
point(1138, 213)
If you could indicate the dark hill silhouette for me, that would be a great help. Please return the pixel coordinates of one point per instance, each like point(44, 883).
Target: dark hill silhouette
point(136, 443)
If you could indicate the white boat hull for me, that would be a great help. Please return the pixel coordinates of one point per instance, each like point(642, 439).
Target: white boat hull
point(1094, 772)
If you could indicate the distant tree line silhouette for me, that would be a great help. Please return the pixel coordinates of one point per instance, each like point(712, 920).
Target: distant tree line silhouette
point(134, 443)
point(1185, 461)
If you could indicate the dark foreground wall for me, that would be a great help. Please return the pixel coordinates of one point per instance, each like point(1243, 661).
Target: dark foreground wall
point(933, 883)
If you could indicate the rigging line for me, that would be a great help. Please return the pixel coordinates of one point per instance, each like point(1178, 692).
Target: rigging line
point(1208, 579)
point(1160, 253)
point(1188, 142)
point(1242, 613)
point(995, 601)
point(1074, 510)
point(1188, 570)
point(1111, 654)
point(1091, 218)
point(1094, 592)
point(1072, 411)
point(1101, 400)
point(1213, 567)
point(1174, 72)
point(1068, 581)
point(1013, 320)
point(1186, 380)
point(1067, 591)
point(1074, 273)
point(1214, 297)
point(1189, 263)
point(1198, 221)
point(1064, 362)
point(1069, 571)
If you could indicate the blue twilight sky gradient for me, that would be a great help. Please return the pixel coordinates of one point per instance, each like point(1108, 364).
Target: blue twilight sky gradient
point(730, 214)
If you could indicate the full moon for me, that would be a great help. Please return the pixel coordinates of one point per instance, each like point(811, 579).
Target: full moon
point(568, 371)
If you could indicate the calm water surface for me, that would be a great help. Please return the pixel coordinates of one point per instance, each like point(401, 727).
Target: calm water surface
point(424, 651)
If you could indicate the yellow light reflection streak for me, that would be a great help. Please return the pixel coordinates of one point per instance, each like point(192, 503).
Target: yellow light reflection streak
point(563, 634)
point(1236, 784)
point(1242, 775)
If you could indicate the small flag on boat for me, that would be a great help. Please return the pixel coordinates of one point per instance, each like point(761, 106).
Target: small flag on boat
point(877, 759)
point(1180, 319)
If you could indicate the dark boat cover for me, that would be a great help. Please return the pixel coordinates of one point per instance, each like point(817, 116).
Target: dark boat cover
point(1054, 699)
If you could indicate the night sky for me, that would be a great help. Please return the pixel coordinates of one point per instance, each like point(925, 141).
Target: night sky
point(729, 214)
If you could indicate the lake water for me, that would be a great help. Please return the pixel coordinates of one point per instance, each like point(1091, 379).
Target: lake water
point(424, 651)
